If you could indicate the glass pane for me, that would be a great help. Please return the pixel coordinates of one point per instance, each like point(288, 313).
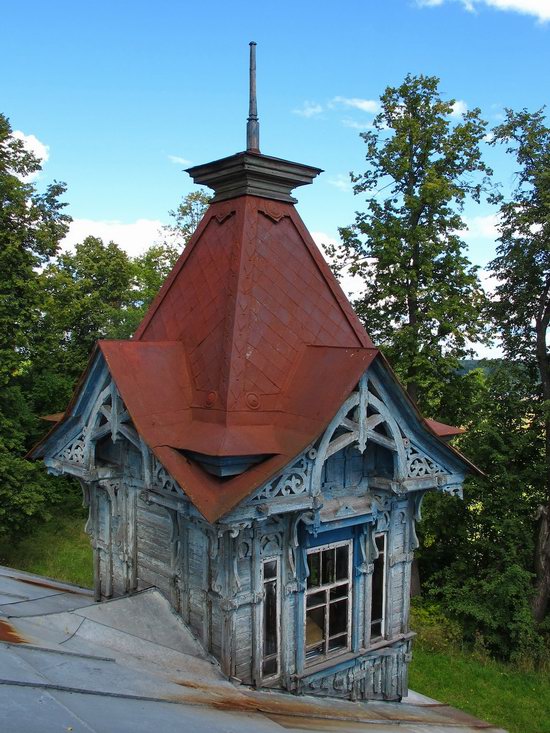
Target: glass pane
point(315, 599)
point(269, 667)
point(315, 651)
point(342, 562)
point(377, 608)
point(328, 566)
point(338, 617)
point(315, 626)
point(338, 642)
point(339, 592)
point(379, 539)
point(376, 629)
point(270, 618)
point(270, 569)
point(314, 564)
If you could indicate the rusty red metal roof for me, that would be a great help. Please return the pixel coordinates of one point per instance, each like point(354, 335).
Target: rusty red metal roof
point(249, 349)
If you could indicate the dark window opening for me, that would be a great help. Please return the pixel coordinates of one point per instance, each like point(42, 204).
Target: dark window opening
point(378, 598)
point(270, 634)
point(328, 600)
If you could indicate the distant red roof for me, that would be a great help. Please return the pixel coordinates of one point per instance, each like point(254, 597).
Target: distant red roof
point(249, 349)
point(441, 429)
point(55, 417)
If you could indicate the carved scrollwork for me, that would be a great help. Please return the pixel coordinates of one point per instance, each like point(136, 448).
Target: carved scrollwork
point(271, 544)
point(162, 480)
point(75, 452)
point(419, 464)
point(382, 501)
point(293, 482)
point(454, 490)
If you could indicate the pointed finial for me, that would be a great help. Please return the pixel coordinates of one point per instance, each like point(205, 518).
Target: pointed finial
point(252, 125)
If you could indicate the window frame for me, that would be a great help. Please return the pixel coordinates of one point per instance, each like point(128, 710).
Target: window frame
point(277, 656)
point(383, 619)
point(327, 587)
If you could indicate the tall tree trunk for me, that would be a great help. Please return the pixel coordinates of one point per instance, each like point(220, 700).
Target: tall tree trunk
point(542, 550)
point(542, 565)
point(412, 389)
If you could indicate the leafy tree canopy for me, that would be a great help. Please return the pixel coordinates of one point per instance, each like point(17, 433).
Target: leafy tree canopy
point(186, 217)
point(521, 306)
point(422, 296)
point(31, 227)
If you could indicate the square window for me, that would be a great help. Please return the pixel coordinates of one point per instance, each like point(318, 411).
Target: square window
point(328, 600)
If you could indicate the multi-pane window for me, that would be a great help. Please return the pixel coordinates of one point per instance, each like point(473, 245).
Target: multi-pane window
point(270, 632)
point(378, 598)
point(328, 600)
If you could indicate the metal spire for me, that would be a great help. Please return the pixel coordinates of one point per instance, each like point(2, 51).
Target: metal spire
point(252, 125)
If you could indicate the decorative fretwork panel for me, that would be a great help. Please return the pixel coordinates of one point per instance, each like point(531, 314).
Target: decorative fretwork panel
point(162, 480)
point(108, 417)
point(74, 452)
point(419, 464)
point(295, 481)
point(364, 418)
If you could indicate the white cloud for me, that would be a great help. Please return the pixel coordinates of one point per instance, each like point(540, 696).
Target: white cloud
point(177, 159)
point(134, 238)
point(356, 125)
point(540, 9)
point(480, 235)
point(459, 108)
point(365, 105)
point(485, 226)
point(309, 109)
point(340, 181)
point(36, 147)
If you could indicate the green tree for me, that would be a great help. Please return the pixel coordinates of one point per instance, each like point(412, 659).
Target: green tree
point(151, 270)
point(521, 304)
point(477, 554)
point(186, 217)
point(31, 226)
point(422, 296)
point(88, 293)
point(96, 291)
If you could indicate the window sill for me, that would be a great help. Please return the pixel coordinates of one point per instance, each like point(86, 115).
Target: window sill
point(339, 659)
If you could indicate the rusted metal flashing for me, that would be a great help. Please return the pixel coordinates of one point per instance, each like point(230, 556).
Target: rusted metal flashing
point(9, 634)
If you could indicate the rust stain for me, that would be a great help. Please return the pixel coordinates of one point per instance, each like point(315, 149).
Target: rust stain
point(283, 709)
point(9, 634)
point(222, 699)
point(193, 685)
point(45, 584)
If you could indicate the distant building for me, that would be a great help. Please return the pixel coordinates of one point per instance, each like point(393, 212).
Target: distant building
point(251, 454)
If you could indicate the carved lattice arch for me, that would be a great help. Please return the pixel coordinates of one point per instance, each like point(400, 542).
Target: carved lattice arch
point(109, 416)
point(360, 414)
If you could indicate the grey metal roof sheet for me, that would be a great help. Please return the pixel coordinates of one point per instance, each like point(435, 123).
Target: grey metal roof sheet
point(131, 665)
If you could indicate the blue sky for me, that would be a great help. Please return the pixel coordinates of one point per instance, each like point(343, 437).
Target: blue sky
point(124, 93)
